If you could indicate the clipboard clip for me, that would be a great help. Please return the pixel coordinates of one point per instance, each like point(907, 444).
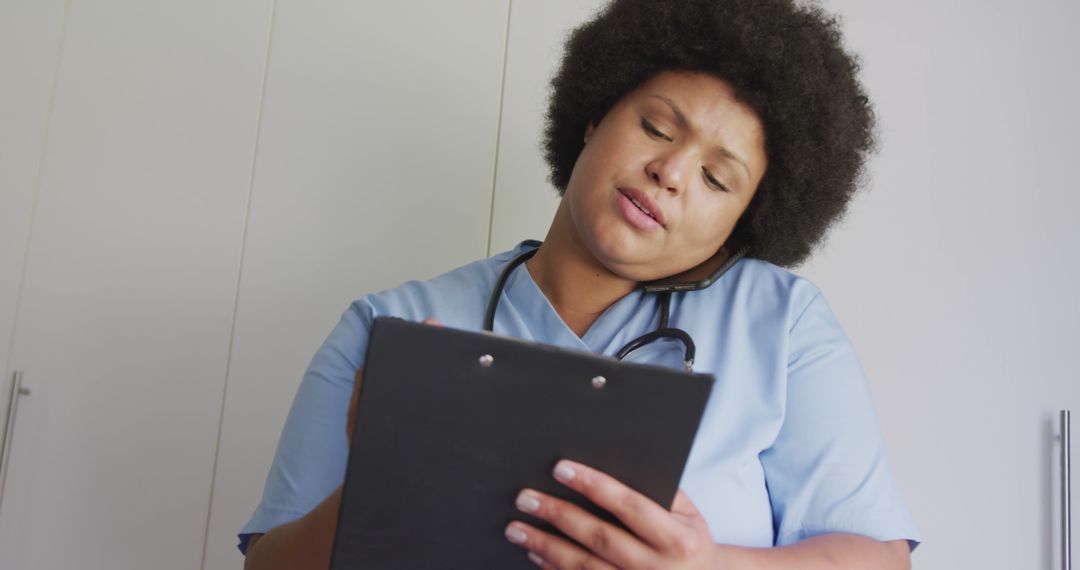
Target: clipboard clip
point(487, 360)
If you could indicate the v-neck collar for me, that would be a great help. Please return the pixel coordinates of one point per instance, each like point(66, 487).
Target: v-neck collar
point(544, 323)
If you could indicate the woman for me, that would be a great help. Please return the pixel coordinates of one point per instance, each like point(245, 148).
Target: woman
point(682, 136)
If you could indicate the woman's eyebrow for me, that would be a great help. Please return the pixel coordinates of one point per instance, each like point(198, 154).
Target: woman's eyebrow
point(679, 116)
point(684, 123)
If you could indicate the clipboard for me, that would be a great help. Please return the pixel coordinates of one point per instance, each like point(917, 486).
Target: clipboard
point(451, 424)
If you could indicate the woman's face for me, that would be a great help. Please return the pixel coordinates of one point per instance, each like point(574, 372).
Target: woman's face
point(665, 175)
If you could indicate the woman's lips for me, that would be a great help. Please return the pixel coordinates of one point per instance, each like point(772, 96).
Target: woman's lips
point(646, 203)
point(635, 215)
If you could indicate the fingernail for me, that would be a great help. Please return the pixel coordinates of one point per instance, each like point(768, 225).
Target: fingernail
point(527, 502)
point(516, 535)
point(564, 472)
point(536, 558)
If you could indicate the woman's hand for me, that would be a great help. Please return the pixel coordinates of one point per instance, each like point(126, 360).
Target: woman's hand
point(676, 539)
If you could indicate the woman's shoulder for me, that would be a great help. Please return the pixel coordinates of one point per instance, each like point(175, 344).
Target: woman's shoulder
point(757, 289)
point(455, 298)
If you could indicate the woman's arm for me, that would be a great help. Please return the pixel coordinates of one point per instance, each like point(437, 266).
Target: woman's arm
point(307, 541)
point(826, 552)
point(303, 543)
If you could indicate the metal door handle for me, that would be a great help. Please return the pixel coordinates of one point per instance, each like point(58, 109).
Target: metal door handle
point(9, 423)
point(1066, 495)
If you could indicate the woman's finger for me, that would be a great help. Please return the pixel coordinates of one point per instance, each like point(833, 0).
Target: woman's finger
point(553, 551)
point(645, 517)
point(604, 539)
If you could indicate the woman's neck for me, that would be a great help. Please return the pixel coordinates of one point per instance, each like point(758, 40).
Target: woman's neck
point(576, 284)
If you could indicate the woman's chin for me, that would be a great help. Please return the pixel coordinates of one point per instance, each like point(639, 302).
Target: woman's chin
point(634, 268)
point(629, 255)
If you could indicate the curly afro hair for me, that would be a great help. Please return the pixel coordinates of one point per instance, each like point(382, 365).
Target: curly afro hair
point(785, 61)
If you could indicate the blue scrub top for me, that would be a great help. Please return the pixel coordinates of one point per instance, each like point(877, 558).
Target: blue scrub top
point(789, 446)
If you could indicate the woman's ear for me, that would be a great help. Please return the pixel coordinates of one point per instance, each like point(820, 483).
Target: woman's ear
point(588, 131)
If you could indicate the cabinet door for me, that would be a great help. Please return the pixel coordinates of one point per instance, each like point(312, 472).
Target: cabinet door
point(31, 30)
point(955, 275)
point(375, 164)
point(130, 284)
point(525, 201)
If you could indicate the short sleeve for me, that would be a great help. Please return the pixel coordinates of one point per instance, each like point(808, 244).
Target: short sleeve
point(313, 450)
point(827, 470)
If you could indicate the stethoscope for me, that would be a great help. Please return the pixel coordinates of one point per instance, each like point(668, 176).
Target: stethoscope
point(662, 330)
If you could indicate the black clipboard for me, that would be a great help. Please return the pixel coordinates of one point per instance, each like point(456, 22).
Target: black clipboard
point(450, 425)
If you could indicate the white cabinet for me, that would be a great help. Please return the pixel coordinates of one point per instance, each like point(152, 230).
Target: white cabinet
point(130, 284)
point(956, 273)
point(32, 30)
point(524, 200)
point(375, 164)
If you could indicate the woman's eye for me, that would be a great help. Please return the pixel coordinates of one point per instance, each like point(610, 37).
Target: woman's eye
point(713, 181)
point(652, 130)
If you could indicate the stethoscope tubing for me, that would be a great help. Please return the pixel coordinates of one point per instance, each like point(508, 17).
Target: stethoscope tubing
point(662, 331)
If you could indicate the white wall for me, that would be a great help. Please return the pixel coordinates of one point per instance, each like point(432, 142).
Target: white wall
point(953, 274)
point(524, 201)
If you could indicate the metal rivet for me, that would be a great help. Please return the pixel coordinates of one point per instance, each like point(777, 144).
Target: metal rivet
point(487, 360)
point(598, 382)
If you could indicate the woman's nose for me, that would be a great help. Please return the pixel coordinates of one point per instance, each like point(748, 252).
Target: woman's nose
point(668, 171)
